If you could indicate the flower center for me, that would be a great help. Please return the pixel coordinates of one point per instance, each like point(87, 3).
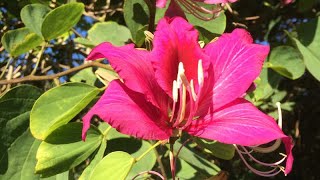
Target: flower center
point(185, 98)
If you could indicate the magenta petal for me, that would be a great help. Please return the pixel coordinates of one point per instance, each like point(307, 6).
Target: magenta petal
point(237, 62)
point(240, 123)
point(161, 3)
point(175, 41)
point(129, 113)
point(134, 67)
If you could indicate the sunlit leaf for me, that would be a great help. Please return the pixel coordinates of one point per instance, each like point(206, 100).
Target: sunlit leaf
point(115, 165)
point(58, 106)
point(32, 16)
point(61, 19)
point(220, 150)
point(63, 149)
point(20, 41)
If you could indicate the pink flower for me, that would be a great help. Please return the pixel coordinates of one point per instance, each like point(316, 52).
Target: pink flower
point(180, 87)
point(286, 2)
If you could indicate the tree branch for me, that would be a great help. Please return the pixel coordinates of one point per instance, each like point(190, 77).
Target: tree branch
point(53, 76)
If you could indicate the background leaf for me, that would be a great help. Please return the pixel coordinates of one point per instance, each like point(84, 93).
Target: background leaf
point(118, 166)
point(61, 19)
point(286, 61)
point(63, 149)
point(58, 106)
point(20, 41)
point(32, 16)
point(107, 32)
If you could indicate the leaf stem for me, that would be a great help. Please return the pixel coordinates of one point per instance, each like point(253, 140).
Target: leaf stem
point(39, 58)
point(151, 148)
point(172, 140)
point(152, 13)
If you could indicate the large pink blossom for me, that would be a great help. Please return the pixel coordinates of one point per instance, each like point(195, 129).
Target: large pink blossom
point(162, 3)
point(180, 87)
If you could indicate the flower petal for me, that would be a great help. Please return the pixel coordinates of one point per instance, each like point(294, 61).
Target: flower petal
point(240, 123)
point(161, 3)
point(129, 113)
point(135, 68)
point(237, 62)
point(175, 41)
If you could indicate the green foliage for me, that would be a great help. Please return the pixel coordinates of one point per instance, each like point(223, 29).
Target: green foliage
point(33, 15)
point(20, 41)
point(308, 43)
point(136, 15)
point(220, 150)
point(286, 61)
point(58, 106)
point(60, 20)
point(106, 32)
point(119, 164)
point(63, 149)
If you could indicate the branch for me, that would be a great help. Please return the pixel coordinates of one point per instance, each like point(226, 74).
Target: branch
point(53, 76)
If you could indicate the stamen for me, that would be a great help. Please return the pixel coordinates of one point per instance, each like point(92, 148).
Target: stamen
point(193, 93)
point(197, 10)
point(175, 91)
point(263, 163)
point(270, 173)
point(200, 73)
point(269, 149)
point(280, 114)
point(182, 107)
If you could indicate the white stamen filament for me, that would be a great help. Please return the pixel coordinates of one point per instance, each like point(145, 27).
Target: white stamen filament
point(280, 115)
point(175, 91)
point(200, 73)
point(193, 93)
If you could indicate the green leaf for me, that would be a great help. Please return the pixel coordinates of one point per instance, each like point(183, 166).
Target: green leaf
point(63, 149)
point(21, 160)
point(185, 171)
point(135, 148)
point(198, 162)
point(108, 32)
point(61, 19)
point(32, 16)
point(86, 76)
point(308, 43)
point(136, 16)
point(15, 108)
point(266, 84)
point(215, 26)
point(286, 61)
point(20, 41)
point(115, 165)
point(220, 150)
point(58, 106)
point(97, 158)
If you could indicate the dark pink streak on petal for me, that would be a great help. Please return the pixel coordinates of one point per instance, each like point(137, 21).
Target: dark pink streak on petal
point(240, 123)
point(236, 62)
point(129, 113)
point(175, 41)
point(135, 68)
